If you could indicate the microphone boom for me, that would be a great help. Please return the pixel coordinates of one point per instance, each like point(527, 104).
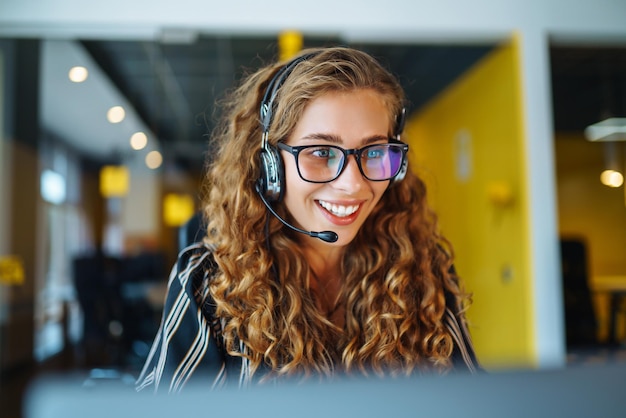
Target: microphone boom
point(326, 236)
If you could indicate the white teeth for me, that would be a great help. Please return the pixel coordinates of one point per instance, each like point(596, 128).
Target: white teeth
point(339, 210)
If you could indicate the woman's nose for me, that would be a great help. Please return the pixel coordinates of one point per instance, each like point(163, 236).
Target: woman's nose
point(350, 178)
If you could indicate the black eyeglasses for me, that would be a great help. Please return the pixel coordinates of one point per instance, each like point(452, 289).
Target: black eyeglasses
point(324, 163)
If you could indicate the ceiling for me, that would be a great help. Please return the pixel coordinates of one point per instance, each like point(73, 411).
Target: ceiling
point(173, 85)
point(588, 85)
point(74, 113)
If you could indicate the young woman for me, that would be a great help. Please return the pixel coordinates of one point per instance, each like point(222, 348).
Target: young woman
point(322, 257)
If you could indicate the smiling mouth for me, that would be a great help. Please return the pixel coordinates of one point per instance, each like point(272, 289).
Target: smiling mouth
point(338, 210)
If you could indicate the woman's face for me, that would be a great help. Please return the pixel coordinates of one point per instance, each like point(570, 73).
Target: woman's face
point(349, 120)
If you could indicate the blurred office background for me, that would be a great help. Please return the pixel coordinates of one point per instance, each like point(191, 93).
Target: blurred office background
point(104, 115)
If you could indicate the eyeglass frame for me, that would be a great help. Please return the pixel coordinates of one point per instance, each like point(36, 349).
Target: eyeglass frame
point(295, 151)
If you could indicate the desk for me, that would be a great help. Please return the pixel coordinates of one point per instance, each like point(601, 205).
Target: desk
point(615, 288)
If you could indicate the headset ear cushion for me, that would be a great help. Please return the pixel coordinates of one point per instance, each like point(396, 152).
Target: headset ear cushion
point(271, 181)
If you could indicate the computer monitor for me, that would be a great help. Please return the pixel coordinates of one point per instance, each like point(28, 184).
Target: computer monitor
point(585, 391)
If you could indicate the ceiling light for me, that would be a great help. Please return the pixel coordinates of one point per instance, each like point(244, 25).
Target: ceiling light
point(53, 188)
point(612, 178)
point(116, 114)
point(154, 159)
point(612, 129)
point(138, 141)
point(179, 36)
point(78, 74)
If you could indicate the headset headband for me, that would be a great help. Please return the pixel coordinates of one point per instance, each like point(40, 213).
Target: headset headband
point(267, 104)
point(266, 109)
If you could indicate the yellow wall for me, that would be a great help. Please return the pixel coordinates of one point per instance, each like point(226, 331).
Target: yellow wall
point(588, 209)
point(592, 212)
point(483, 211)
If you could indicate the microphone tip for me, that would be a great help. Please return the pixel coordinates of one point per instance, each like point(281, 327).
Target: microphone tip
point(328, 236)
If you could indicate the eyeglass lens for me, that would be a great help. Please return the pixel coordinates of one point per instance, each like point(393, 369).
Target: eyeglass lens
point(324, 163)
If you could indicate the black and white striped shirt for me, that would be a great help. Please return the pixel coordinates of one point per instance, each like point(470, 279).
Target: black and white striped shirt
point(188, 345)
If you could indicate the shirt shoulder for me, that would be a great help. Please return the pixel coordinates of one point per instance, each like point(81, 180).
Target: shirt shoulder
point(188, 342)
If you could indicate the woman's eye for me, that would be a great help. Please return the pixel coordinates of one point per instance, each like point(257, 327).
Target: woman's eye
point(322, 153)
point(374, 153)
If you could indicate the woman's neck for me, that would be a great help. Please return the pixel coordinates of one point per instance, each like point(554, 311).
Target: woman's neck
point(323, 259)
point(326, 283)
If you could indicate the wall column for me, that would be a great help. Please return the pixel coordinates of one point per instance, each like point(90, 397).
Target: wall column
point(22, 186)
point(544, 244)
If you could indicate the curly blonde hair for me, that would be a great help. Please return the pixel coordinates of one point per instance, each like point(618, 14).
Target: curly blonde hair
point(394, 272)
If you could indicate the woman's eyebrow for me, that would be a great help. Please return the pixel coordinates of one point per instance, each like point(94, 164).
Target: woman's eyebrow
point(323, 137)
point(335, 139)
point(375, 138)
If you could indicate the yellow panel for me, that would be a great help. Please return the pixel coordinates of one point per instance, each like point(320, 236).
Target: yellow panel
point(289, 44)
point(177, 209)
point(468, 146)
point(114, 181)
point(11, 270)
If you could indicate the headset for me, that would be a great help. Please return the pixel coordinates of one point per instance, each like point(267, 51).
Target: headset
point(271, 182)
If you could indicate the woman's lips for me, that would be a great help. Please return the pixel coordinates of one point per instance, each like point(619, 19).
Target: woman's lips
point(339, 214)
point(338, 210)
